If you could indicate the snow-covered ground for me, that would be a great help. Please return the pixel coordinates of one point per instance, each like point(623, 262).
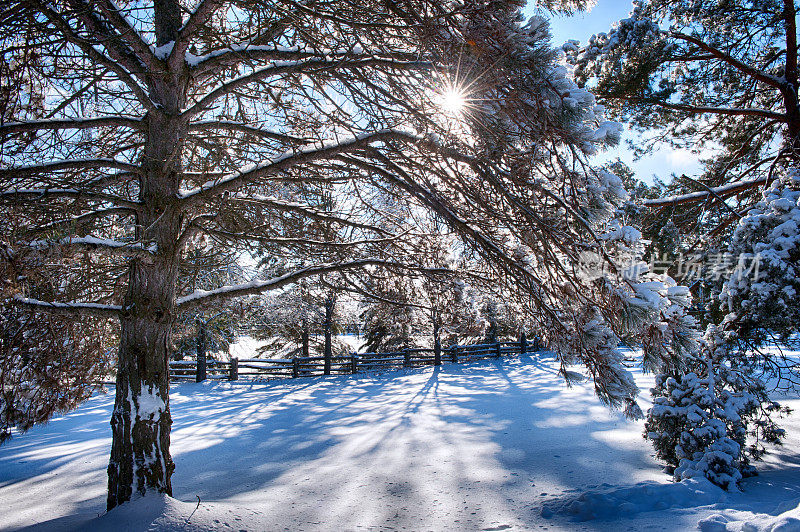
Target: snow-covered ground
point(492, 445)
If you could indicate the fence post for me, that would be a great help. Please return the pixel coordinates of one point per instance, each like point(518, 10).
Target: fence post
point(234, 374)
point(354, 363)
point(200, 375)
point(295, 368)
point(406, 358)
point(305, 338)
point(437, 345)
point(497, 352)
point(523, 343)
point(326, 369)
point(454, 353)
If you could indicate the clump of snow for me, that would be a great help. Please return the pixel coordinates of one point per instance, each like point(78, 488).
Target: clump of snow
point(163, 513)
point(162, 52)
point(646, 497)
point(148, 404)
point(787, 521)
point(624, 233)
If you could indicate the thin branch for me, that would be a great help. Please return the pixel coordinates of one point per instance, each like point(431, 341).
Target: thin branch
point(772, 81)
point(69, 164)
point(726, 111)
point(291, 159)
point(34, 194)
point(207, 125)
point(99, 245)
point(129, 35)
point(293, 67)
point(69, 34)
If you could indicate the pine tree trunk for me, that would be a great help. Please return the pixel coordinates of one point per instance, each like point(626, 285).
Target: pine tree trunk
point(140, 459)
point(305, 338)
point(437, 345)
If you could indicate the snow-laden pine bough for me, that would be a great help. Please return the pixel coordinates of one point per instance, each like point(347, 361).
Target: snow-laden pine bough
point(146, 141)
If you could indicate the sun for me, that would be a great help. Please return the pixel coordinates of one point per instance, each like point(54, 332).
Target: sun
point(453, 100)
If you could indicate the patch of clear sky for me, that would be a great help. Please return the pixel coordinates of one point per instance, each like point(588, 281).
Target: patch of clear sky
point(663, 161)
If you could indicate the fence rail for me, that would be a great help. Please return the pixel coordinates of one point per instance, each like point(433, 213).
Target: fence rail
point(276, 368)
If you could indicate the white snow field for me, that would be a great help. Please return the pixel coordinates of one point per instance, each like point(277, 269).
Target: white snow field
point(492, 445)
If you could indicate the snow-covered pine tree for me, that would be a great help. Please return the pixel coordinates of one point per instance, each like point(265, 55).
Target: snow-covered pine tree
point(718, 417)
point(762, 296)
point(209, 118)
point(713, 418)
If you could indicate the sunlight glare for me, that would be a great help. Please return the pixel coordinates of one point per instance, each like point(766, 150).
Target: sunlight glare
point(453, 101)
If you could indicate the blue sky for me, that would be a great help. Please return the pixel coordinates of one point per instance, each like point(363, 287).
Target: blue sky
point(600, 19)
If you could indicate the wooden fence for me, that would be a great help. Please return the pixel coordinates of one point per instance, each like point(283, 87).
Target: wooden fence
point(274, 368)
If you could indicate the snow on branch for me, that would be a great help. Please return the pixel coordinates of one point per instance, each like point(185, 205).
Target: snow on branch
point(289, 159)
point(722, 191)
point(727, 111)
point(70, 309)
point(100, 245)
point(197, 18)
point(234, 54)
point(68, 164)
point(71, 123)
point(257, 286)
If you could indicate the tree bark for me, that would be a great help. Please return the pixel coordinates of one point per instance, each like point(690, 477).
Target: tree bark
point(437, 345)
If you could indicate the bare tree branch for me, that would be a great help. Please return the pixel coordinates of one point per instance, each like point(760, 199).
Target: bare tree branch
point(70, 164)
